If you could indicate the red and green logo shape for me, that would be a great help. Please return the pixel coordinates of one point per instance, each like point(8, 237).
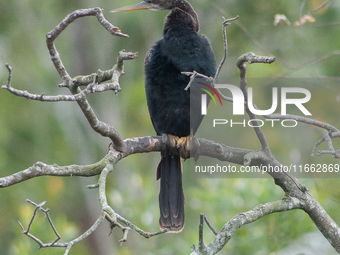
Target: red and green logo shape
point(206, 89)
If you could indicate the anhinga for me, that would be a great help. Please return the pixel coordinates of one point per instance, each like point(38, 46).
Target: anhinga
point(181, 49)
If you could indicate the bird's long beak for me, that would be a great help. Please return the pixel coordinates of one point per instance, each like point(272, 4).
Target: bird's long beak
point(140, 6)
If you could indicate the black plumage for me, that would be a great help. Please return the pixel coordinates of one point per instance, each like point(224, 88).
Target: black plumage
point(181, 49)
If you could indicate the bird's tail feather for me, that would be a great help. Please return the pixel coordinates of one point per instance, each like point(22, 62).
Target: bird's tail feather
point(171, 198)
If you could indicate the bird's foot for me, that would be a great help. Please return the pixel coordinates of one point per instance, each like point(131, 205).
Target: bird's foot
point(169, 144)
point(188, 146)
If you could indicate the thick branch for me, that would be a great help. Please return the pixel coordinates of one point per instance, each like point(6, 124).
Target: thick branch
point(293, 188)
point(133, 145)
point(42, 169)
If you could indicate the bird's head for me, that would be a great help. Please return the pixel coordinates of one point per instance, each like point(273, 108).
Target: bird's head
point(158, 5)
point(154, 5)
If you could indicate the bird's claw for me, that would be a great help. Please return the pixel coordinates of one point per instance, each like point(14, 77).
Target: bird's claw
point(170, 144)
point(183, 146)
point(188, 146)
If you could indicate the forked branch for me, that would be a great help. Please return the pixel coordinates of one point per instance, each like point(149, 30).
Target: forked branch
point(94, 82)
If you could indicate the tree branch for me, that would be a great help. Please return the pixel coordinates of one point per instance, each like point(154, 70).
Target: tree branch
point(92, 81)
point(296, 193)
point(133, 146)
point(98, 126)
point(252, 58)
point(106, 213)
point(73, 84)
point(54, 243)
point(52, 35)
point(225, 23)
point(229, 229)
point(294, 189)
point(287, 181)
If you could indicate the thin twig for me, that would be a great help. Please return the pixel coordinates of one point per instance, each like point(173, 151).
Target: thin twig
point(80, 238)
point(257, 43)
point(252, 58)
point(321, 6)
point(225, 23)
point(52, 35)
point(137, 229)
point(315, 146)
point(193, 75)
point(209, 225)
point(92, 81)
point(200, 232)
point(9, 78)
point(46, 212)
point(328, 140)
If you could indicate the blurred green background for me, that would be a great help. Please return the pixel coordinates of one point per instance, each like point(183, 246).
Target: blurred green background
point(33, 131)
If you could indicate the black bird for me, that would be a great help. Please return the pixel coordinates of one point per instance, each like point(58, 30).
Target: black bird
point(181, 49)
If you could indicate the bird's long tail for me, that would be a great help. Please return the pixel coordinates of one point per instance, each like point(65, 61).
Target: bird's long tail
point(171, 198)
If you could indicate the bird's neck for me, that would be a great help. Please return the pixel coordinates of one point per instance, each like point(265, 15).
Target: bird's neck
point(186, 7)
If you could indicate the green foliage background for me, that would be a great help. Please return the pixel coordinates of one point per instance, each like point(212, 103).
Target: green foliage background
point(58, 133)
